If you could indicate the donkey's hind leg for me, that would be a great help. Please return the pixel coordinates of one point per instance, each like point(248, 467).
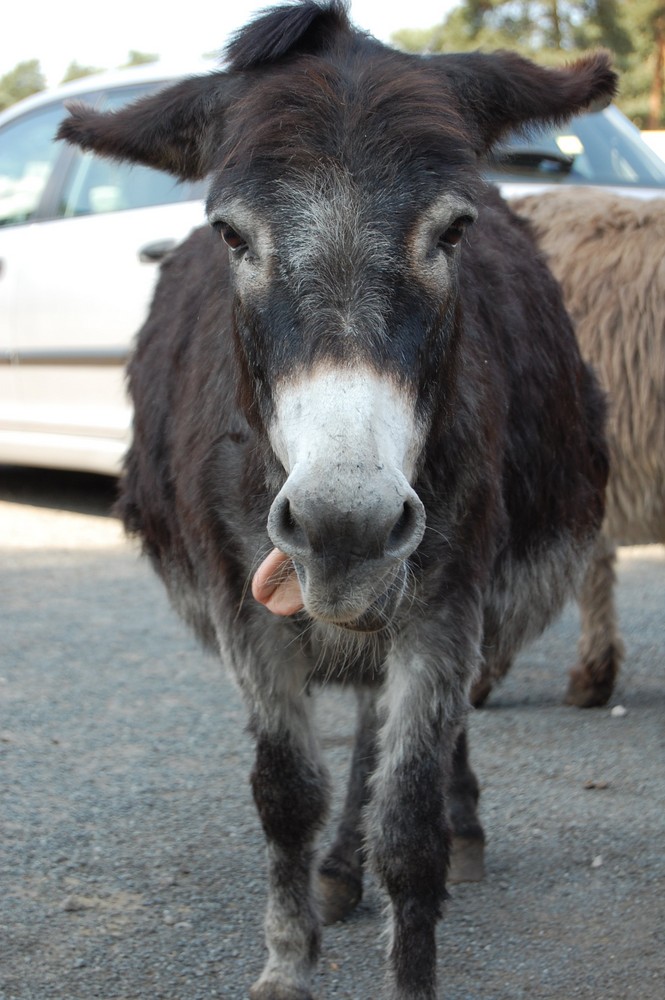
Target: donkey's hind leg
point(341, 871)
point(493, 671)
point(600, 648)
point(468, 840)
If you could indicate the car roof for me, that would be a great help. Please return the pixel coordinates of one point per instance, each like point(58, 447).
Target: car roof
point(154, 72)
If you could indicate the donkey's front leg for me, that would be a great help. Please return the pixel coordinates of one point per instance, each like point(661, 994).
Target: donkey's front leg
point(291, 794)
point(423, 710)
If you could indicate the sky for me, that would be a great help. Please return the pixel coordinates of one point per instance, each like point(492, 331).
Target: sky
point(101, 34)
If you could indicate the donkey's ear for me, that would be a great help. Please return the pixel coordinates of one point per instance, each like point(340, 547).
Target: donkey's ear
point(502, 91)
point(170, 130)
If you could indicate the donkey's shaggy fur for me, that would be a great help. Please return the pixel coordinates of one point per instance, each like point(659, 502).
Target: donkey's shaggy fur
point(372, 375)
point(608, 252)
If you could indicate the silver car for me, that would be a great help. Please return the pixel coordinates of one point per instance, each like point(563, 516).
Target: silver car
point(80, 239)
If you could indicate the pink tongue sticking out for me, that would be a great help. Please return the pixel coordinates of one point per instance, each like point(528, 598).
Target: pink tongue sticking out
point(276, 585)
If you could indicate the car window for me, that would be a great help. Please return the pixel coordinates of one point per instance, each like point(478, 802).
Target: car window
point(595, 148)
point(92, 185)
point(27, 157)
point(95, 185)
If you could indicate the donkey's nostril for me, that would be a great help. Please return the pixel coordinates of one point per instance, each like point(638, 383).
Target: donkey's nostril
point(283, 526)
point(289, 523)
point(400, 527)
point(407, 530)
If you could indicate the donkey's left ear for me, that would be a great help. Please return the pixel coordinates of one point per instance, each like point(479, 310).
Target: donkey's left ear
point(169, 130)
point(502, 91)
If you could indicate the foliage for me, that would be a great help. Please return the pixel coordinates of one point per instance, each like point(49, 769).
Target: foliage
point(75, 71)
point(139, 58)
point(643, 80)
point(25, 79)
point(555, 31)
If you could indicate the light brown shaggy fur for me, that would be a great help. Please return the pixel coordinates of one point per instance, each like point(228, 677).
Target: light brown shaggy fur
point(608, 252)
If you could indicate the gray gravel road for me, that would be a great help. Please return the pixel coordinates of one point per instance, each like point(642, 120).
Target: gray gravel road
point(131, 859)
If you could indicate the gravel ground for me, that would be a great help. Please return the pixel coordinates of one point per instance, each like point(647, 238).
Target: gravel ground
point(131, 858)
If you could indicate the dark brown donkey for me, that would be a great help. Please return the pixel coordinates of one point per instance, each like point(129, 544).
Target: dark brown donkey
point(358, 389)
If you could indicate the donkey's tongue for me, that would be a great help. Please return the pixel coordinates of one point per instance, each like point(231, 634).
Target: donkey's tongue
point(276, 585)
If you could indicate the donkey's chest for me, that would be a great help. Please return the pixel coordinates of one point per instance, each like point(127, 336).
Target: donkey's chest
point(338, 657)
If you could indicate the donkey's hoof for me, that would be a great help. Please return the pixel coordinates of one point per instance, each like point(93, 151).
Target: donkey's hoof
point(585, 691)
point(264, 989)
point(340, 891)
point(467, 860)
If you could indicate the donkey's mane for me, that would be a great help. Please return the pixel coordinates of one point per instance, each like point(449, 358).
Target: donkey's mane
point(288, 29)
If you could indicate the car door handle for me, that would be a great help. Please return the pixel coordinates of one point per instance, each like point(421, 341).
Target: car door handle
point(153, 253)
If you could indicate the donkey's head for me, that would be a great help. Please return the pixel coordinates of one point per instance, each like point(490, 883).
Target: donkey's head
point(343, 177)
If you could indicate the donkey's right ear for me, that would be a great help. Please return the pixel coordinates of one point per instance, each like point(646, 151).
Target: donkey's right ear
point(502, 91)
point(172, 130)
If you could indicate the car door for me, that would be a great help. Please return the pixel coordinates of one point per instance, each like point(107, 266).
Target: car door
point(28, 161)
point(82, 293)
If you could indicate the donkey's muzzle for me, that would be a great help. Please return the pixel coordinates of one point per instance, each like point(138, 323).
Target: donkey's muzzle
point(349, 537)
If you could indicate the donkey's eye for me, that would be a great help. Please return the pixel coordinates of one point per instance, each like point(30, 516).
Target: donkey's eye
point(231, 237)
point(452, 236)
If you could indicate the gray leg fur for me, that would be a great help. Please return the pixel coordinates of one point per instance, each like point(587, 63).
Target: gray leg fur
point(291, 792)
point(422, 713)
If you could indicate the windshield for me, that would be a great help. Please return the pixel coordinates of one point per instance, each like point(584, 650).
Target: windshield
point(595, 148)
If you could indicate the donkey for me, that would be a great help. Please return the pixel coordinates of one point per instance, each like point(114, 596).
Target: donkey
point(359, 392)
point(601, 251)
